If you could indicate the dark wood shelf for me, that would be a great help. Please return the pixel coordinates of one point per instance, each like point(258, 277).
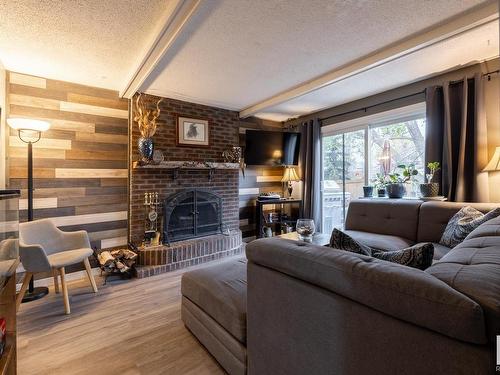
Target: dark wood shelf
point(261, 222)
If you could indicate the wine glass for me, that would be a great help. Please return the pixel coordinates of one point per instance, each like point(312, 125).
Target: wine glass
point(305, 229)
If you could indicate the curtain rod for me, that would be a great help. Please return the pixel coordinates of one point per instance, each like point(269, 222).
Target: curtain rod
point(371, 106)
point(487, 74)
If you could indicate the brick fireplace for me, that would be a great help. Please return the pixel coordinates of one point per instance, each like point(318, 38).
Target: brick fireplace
point(220, 181)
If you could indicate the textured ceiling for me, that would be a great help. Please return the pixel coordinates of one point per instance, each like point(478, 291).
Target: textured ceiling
point(92, 42)
point(237, 53)
point(474, 46)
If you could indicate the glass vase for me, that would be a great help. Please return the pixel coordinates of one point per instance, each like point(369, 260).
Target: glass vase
point(305, 229)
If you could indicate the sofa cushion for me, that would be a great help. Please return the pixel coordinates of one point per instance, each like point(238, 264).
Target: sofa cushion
point(489, 229)
point(379, 241)
point(393, 217)
point(434, 216)
point(220, 290)
point(402, 292)
point(463, 223)
point(473, 268)
point(439, 250)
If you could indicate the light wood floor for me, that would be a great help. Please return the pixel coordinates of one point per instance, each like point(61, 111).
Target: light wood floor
point(129, 327)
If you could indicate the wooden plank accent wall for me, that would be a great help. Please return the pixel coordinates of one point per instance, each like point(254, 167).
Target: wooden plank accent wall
point(256, 180)
point(80, 164)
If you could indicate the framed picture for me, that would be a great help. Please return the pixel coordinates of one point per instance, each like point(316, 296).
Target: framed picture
point(192, 132)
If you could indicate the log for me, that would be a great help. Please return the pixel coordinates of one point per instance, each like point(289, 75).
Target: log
point(117, 260)
point(106, 259)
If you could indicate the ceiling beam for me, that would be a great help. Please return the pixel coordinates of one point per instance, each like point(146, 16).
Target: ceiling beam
point(176, 16)
point(471, 20)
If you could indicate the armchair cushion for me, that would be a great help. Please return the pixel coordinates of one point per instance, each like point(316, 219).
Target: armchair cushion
point(69, 257)
point(33, 258)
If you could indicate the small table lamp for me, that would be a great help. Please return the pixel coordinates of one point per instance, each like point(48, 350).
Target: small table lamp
point(289, 176)
point(30, 131)
point(494, 164)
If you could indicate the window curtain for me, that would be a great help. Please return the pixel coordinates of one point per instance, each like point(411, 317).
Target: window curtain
point(310, 167)
point(456, 137)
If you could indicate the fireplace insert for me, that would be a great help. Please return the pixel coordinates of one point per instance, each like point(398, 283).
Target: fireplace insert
point(191, 213)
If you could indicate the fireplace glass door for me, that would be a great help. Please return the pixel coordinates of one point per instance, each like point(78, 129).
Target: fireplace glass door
point(191, 213)
point(207, 213)
point(182, 219)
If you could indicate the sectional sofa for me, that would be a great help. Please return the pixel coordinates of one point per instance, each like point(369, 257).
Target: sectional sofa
point(297, 308)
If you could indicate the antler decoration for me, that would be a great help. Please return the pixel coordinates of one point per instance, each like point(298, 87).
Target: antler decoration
point(146, 118)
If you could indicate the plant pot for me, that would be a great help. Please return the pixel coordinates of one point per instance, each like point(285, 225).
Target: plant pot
point(367, 191)
point(429, 190)
point(395, 190)
point(381, 192)
point(145, 146)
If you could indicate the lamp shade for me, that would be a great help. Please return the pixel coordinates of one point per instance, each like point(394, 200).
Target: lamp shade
point(290, 175)
point(19, 123)
point(494, 164)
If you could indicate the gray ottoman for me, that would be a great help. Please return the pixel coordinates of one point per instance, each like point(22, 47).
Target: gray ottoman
point(214, 309)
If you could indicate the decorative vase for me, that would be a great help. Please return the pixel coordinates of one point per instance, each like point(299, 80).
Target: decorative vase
point(395, 190)
point(381, 192)
point(305, 228)
point(146, 148)
point(367, 191)
point(429, 190)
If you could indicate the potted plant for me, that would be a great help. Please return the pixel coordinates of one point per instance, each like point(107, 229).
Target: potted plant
point(396, 187)
point(367, 191)
point(379, 182)
point(430, 189)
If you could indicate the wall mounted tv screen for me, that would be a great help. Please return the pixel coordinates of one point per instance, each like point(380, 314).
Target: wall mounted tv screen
point(272, 148)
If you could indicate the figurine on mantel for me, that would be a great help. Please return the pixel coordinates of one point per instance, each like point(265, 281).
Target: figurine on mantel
point(233, 155)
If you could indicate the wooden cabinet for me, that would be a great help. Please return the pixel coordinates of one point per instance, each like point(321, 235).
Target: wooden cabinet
point(8, 362)
point(9, 260)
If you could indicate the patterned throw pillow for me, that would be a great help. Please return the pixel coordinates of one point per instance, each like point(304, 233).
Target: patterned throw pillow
point(418, 256)
point(464, 222)
point(340, 240)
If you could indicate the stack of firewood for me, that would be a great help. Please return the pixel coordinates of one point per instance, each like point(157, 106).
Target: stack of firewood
point(115, 261)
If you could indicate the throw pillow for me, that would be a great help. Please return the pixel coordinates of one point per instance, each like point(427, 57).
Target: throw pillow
point(418, 256)
point(340, 240)
point(464, 222)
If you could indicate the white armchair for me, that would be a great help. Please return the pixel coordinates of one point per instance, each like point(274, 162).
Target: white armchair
point(45, 248)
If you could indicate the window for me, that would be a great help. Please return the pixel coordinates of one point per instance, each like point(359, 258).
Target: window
point(397, 143)
point(353, 153)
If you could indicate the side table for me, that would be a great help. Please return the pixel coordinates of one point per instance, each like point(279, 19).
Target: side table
point(318, 238)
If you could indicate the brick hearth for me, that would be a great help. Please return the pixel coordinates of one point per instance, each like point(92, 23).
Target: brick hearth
point(159, 259)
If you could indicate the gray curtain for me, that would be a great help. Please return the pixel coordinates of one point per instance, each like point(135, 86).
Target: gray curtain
point(310, 167)
point(456, 137)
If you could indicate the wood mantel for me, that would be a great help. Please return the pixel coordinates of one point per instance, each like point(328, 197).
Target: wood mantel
point(186, 165)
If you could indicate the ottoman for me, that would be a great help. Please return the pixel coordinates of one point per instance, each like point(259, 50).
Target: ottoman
point(214, 310)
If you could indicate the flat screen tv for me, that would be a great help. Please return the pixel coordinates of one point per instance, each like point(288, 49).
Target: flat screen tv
point(272, 148)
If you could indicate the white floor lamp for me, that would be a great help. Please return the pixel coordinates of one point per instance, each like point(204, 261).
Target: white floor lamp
point(30, 131)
